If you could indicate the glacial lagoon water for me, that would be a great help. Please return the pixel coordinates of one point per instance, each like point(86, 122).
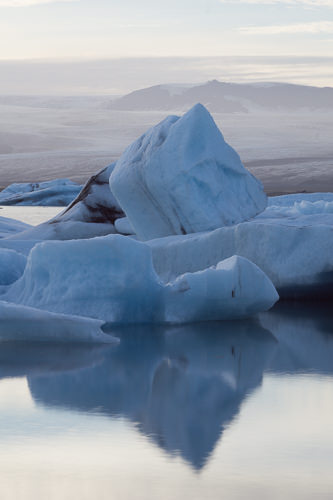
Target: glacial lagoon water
point(230, 410)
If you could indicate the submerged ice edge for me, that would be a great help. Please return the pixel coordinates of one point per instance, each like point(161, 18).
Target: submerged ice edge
point(22, 323)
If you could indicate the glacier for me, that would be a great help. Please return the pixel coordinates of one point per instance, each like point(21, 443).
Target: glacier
point(182, 177)
point(57, 193)
point(234, 288)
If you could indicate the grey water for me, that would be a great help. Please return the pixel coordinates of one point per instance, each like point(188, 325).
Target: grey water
point(235, 410)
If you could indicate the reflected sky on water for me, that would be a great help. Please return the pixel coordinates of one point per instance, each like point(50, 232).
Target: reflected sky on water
point(223, 410)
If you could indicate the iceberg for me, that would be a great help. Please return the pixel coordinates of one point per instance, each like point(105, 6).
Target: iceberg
point(21, 323)
point(291, 244)
point(182, 177)
point(112, 278)
point(109, 278)
point(57, 193)
point(235, 288)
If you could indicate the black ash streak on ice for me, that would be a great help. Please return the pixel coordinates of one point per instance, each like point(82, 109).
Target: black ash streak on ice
point(96, 212)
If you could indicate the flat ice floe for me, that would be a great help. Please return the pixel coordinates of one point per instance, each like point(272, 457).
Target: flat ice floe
point(182, 177)
point(57, 193)
point(112, 278)
point(21, 323)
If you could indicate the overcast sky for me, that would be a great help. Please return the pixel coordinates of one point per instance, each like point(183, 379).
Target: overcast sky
point(136, 28)
point(114, 46)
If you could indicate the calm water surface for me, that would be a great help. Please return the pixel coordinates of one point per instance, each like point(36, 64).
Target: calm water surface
point(232, 410)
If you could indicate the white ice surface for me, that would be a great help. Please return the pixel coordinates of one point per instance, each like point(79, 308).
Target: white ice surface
point(182, 177)
point(58, 192)
point(112, 278)
point(21, 323)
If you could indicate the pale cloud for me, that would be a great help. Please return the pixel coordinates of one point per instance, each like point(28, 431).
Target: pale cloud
point(28, 3)
point(323, 27)
point(306, 3)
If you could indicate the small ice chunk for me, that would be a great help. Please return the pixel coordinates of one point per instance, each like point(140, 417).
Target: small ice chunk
point(235, 288)
point(123, 226)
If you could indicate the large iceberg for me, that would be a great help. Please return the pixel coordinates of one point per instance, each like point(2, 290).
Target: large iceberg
point(182, 177)
point(57, 193)
point(112, 278)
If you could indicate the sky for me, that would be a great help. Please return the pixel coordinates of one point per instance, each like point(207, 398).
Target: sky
point(92, 29)
point(114, 46)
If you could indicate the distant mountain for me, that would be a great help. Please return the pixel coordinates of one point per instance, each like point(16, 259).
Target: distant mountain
point(228, 97)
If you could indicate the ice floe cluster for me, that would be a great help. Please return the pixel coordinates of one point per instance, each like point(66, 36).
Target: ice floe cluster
point(176, 231)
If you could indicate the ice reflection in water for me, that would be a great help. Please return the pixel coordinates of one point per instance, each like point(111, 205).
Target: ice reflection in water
point(184, 387)
point(180, 386)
